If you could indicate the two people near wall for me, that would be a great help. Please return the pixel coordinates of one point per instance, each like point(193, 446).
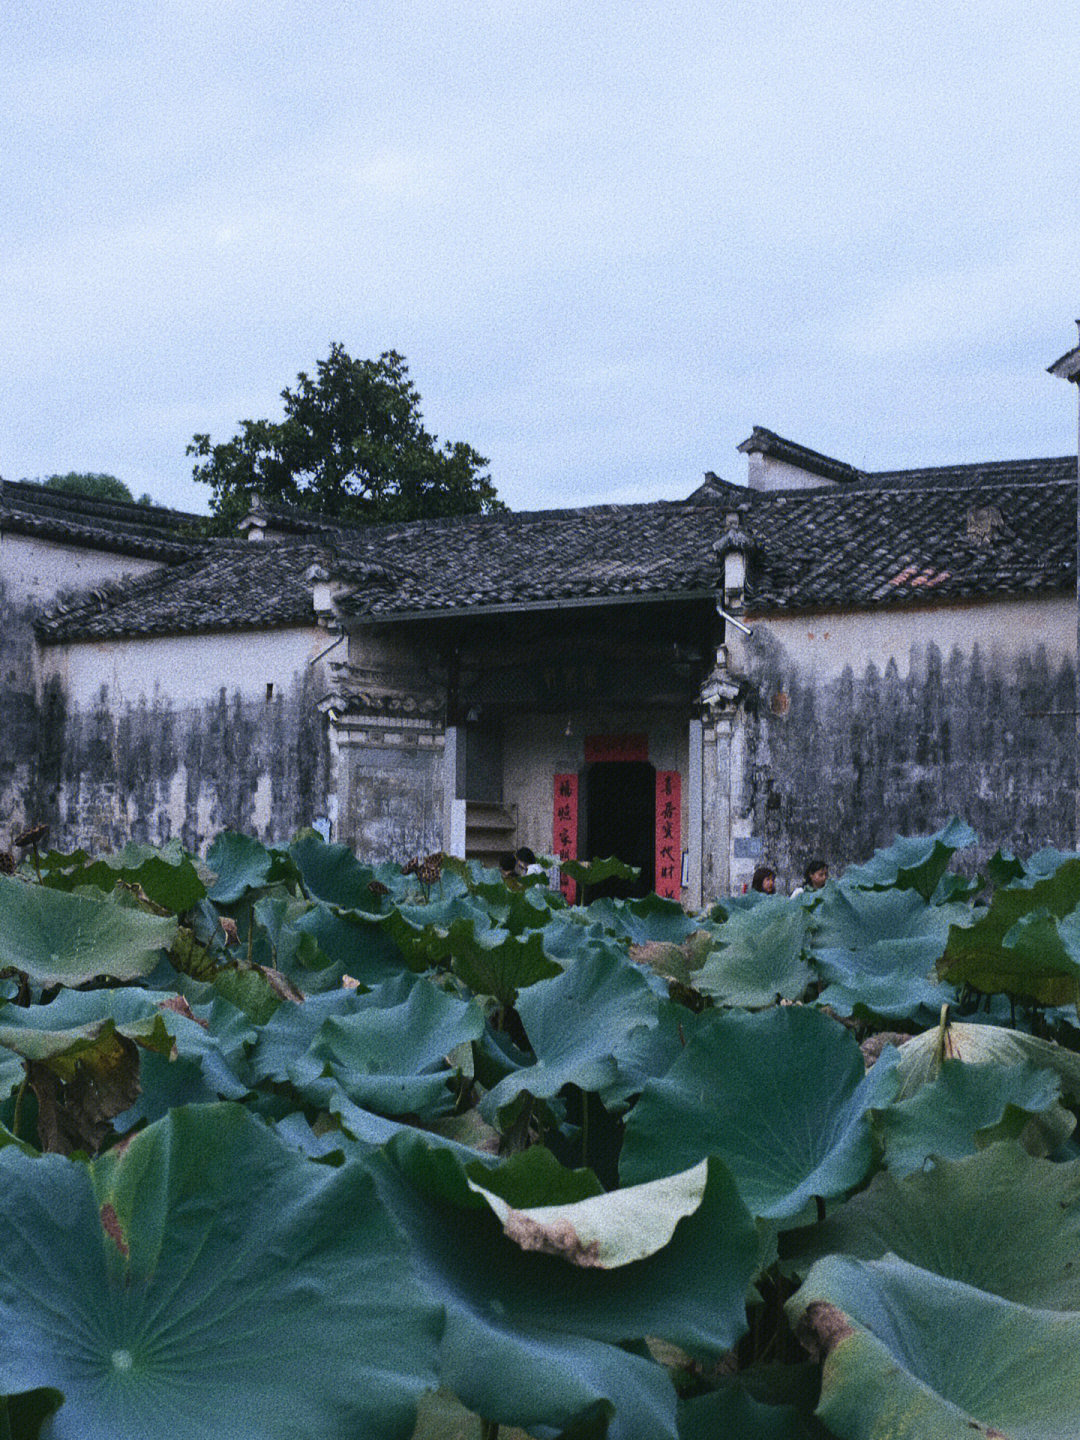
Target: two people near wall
point(814, 878)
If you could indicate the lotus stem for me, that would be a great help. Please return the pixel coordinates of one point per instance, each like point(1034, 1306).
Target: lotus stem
point(15, 1118)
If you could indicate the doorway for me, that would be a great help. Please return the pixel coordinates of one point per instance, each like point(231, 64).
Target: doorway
point(620, 820)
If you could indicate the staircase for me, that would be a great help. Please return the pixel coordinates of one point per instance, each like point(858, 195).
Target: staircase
point(490, 830)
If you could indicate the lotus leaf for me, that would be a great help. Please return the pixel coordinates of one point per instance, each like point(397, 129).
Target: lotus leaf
point(877, 949)
point(922, 1057)
point(76, 1020)
point(184, 1285)
point(981, 1220)
point(60, 939)
point(889, 1331)
point(913, 862)
point(550, 1333)
point(333, 874)
point(165, 875)
point(995, 953)
point(579, 1025)
point(650, 918)
point(497, 963)
point(389, 1052)
point(760, 955)
point(241, 864)
point(604, 1231)
point(967, 1107)
point(780, 1096)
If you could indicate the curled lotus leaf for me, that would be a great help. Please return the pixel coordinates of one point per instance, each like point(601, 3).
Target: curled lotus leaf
point(605, 1231)
point(887, 1333)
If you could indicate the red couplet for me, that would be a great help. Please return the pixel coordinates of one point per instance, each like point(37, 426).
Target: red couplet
point(564, 833)
point(669, 834)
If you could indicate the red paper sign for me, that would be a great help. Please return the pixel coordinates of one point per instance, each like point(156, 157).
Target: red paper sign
point(669, 834)
point(600, 748)
point(565, 828)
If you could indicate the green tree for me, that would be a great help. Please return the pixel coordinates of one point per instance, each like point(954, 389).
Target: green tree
point(97, 487)
point(352, 446)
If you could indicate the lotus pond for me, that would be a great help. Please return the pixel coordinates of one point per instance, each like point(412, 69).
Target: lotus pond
point(298, 1148)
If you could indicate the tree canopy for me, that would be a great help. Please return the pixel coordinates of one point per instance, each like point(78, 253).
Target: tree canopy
point(97, 487)
point(352, 446)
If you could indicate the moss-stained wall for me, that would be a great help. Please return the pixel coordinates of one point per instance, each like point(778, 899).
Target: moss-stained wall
point(182, 736)
point(19, 708)
point(838, 759)
point(158, 769)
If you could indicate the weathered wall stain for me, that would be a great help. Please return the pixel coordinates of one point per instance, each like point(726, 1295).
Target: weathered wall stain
point(394, 801)
point(19, 708)
point(838, 767)
point(155, 770)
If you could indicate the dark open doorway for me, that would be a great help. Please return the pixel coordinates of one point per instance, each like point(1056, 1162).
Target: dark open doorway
point(620, 820)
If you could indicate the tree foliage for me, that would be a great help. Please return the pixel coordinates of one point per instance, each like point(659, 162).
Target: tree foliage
point(91, 484)
point(352, 446)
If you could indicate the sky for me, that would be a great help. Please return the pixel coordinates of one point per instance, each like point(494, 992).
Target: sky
point(609, 237)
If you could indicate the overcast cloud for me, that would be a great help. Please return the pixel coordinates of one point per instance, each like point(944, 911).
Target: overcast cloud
point(609, 237)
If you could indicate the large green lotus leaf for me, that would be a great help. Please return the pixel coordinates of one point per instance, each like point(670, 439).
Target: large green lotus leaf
point(876, 951)
point(922, 1057)
point(608, 1230)
point(782, 1097)
point(241, 863)
point(913, 862)
point(60, 939)
point(651, 918)
point(78, 1019)
point(580, 1025)
point(967, 1107)
point(193, 1284)
point(498, 963)
point(1000, 1220)
point(207, 1063)
point(354, 943)
point(332, 873)
point(760, 956)
point(913, 1356)
point(422, 932)
point(280, 943)
point(549, 1334)
point(597, 870)
point(390, 1053)
point(534, 1177)
point(1004, 868)
point(165, 874)
point(995, 954)
point(289, 1032)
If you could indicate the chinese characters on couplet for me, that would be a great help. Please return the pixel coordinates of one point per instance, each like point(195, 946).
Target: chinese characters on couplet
point(565, 828)
point(668, 834)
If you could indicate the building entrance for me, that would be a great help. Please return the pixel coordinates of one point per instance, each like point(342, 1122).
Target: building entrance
point(620, 820)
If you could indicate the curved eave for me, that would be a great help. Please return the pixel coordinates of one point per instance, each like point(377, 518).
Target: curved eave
point(518, 607)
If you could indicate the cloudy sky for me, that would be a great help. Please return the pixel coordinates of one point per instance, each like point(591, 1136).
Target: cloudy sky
point(609, 237)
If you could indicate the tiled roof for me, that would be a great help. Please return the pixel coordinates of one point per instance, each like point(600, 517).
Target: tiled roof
point(954, 532)
point(148, 531)
point(230, 586)
point(882, 544)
